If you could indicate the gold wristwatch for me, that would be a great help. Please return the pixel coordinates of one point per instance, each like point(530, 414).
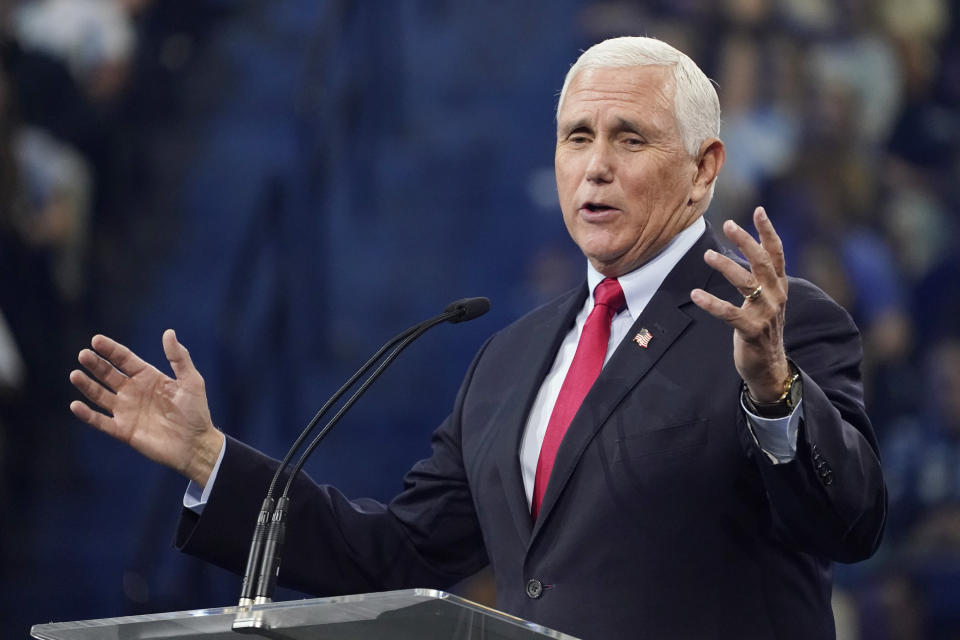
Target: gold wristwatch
point(782, 406)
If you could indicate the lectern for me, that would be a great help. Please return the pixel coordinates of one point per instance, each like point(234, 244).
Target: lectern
point(413, 614)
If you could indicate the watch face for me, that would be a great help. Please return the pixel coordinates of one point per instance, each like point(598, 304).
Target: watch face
point(793, 393)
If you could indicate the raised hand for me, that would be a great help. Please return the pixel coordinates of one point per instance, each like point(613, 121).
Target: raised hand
point(758, 351)
point(166, 419)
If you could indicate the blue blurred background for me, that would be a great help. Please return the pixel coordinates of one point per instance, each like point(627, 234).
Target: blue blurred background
point(288, 183)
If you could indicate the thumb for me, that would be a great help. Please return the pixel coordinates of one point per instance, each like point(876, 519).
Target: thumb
point(179, 357)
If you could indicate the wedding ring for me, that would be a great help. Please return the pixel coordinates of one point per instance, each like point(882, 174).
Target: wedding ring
point(753, 295)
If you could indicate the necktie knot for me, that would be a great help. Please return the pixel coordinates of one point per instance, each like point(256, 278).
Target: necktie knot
point(609, 294)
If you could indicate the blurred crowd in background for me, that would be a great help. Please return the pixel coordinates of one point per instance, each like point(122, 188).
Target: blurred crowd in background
point(290, 182)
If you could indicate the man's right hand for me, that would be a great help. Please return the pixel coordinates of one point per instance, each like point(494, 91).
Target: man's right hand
point(166, 419)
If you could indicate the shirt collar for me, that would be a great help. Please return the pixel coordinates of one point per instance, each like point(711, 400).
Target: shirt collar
point(640, 284)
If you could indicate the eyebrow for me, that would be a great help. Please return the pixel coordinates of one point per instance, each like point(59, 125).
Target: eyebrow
point(583, 124)
point(577, 125)
point(627, 125)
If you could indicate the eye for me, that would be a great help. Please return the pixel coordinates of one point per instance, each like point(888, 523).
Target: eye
point(632, 141)
point(578, 138)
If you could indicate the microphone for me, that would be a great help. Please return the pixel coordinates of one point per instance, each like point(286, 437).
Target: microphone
point(467, 309)
point(270, 529)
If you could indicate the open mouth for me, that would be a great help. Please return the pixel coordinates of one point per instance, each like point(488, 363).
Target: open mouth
point(595, 207)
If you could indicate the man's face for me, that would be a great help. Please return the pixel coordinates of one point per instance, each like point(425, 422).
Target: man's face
point(625, 181)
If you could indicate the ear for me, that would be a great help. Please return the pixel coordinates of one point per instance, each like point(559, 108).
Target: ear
point(709, 162)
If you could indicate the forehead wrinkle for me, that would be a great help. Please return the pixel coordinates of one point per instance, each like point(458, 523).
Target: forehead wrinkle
point(662, 78)
point(585, 90)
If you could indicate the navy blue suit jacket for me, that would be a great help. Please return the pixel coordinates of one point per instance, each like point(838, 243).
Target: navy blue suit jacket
point(662, 519)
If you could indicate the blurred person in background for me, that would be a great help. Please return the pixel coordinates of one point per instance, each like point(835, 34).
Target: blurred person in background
point(718, 466)
point(923, 462)
point(94, 37)
point(918, 583)
point(45, 211)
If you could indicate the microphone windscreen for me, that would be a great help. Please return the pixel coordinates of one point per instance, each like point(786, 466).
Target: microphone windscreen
point(468, 309)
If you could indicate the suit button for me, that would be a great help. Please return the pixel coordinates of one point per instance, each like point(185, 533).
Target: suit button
point(534, 588)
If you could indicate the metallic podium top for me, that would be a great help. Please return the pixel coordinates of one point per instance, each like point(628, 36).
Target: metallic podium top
point(412, 614)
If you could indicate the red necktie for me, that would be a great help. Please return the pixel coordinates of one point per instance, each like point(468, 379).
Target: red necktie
point(587, 363)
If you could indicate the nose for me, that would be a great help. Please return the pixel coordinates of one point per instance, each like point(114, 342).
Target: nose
point(600, 166)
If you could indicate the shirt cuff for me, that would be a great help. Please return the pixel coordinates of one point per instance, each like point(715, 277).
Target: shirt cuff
point(195, 498)
point(776, 437)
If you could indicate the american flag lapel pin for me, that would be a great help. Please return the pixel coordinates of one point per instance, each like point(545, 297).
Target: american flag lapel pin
point(643, 338)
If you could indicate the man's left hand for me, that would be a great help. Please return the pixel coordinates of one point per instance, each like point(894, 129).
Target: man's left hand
point(757, 324)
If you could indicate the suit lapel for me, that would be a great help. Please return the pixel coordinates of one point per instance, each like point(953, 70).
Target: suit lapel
point(664, 317)
point(538, 353)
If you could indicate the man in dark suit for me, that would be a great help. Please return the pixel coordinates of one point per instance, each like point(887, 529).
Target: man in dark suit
point(667, 451)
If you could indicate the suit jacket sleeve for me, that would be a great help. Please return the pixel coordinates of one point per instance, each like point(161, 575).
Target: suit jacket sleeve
point(831, 499)
point(428, 536)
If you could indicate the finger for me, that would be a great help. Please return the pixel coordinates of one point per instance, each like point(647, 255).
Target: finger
point(120, 356)
point(770, 241)
point(102, 369)
point(760, 262)
point(95, 419)
point(720, 309)
point(178, 356)
point(95, 393)
point(735, 274)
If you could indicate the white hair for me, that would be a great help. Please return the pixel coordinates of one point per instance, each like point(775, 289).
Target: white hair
point(695, 102)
